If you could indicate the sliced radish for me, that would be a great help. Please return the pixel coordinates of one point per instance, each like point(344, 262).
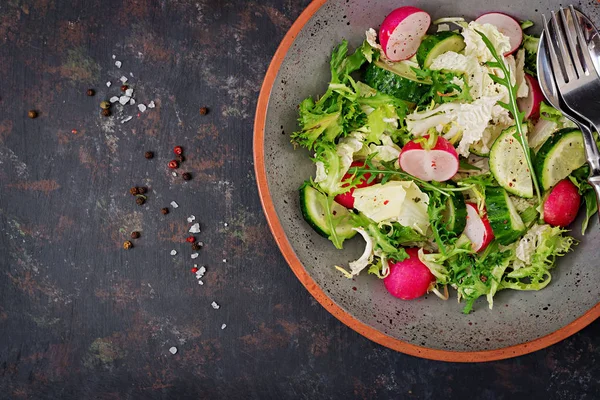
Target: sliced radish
point(507, 25)
point(437, 164)
point(410, 278)
point(530, 105)
point(562, 204)
point(401, 32)
point(478, 229)
point(347, 199)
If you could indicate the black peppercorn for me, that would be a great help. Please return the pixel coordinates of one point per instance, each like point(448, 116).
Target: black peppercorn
point(134, 191)
point(180, 158)
point(186, 176)
point(135, 235)
point(91, 92)
point(32, 114)
point(106, 112)
point(203, 110)
point(140, 201)
point(196, 247)
point(164, 211)
point(149, 155)
point(142, 190)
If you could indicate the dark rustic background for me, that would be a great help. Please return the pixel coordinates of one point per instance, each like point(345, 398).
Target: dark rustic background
point(82, 318)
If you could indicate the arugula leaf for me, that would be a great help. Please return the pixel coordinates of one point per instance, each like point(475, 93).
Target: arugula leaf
point(512, 107)
point(387, 170)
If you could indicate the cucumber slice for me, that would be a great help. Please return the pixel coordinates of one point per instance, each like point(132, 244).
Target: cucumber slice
point(397, 80)
point(455, 214)
point(504, 218)
point(560, 155)
point(434, 45)
point(313, 205)
point(509, 165)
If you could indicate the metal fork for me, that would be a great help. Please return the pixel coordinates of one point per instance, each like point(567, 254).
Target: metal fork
point(577, 81)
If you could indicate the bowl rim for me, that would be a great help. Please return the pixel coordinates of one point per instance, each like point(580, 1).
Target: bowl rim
point(309, 283)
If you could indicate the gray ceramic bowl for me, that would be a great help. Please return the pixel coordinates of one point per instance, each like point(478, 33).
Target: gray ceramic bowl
point(520, 322)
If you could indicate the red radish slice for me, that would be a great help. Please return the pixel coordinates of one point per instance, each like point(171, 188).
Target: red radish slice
point(507, 25)
point(410, 278)
point(478, 229)
point(562, 204)
point(347, 199)
point(401, 32)
point(530, 105)
point(438, 164)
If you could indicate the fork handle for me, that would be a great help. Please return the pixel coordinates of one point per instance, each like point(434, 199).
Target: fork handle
point(593, 158)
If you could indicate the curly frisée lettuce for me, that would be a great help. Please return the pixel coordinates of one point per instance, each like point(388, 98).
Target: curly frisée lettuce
point(534, 257)
point(355, 133)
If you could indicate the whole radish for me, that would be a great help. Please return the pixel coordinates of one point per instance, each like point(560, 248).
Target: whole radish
point(530, 105)
point(478, 229)
point(347, 199)
point(410, 278)
point(401, 32)
point(506, 25)
point(562, 204)
point(429, 163)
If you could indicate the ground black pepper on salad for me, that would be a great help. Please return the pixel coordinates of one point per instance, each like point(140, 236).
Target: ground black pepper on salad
point(433, 142)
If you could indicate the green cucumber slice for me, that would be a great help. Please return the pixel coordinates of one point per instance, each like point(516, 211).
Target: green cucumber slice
point(313, 205)
point(504, 218)
point(560, 155)
point(434, 45)
point(455, 213)
point(509, 165)
point(397, 80)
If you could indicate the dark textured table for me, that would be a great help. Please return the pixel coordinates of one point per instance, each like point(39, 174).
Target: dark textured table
point(80, 317)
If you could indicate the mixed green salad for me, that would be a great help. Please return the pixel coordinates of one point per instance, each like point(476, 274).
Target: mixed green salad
point(437, 149)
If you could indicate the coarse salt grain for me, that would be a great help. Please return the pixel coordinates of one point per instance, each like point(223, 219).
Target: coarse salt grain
point(123, 79)
point(223, 326)
point(108, 84)
point(200, 283)
point(132, 102)
point(129, 92)
point(114, 99)
point(195, 228)
point(173, 350)
point(173, 252)
point(194, 256)
point(201, 271)
point(131, 74)
point(126, 119)
point(224, 260)
point(151, 104)
point(215, 305)
point(124, 100)
point(174, 173)
point(191, 218)
point(226, 224)
point(174, 204)
point(141, 107)
point(118, 64)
